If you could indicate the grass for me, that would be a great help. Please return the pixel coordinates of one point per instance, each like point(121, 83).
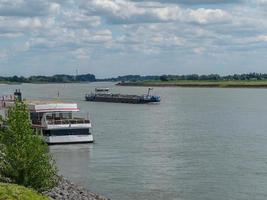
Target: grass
point(16, 192)
point(189, 83)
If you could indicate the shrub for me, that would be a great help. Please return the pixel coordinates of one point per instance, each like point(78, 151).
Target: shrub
point(164, 78)
point(14, 192)
point(25, 159)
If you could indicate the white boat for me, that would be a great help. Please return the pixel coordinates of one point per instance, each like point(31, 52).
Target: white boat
point(56, 122)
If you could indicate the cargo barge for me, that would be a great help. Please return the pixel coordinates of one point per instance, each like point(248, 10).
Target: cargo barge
point(104, 95)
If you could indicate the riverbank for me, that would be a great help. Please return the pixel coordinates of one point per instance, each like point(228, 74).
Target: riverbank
point(209, 84)
point(12, 192)
point(66, 190)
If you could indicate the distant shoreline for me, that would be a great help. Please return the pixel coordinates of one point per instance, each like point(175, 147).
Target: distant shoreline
point(198, 84)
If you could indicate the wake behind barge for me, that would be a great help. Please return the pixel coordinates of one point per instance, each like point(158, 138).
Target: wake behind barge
point(103, 95)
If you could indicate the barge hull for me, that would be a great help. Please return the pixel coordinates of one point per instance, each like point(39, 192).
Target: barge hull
point(121, 100)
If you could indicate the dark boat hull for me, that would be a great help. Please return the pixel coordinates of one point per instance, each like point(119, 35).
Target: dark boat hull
point(133, 99)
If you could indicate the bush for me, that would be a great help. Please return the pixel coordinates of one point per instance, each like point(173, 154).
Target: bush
point(164, 78)
point(14, 192)
point(25, 159)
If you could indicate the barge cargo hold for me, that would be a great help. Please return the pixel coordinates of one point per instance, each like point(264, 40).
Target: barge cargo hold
point(103, 95)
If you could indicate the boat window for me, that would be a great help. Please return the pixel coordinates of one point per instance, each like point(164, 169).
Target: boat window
point(59, 115)
point(36, 117)
point(65, 115)
point(46, 133)
point(49, 116)
point(63, 132)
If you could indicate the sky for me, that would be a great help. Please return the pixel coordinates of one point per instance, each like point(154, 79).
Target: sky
point(117, 37)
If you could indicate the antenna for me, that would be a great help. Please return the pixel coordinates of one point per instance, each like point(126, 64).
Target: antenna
point(58, 96)
point(76, 74)
point(148, 92)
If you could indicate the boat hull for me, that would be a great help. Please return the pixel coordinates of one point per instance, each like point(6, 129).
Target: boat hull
point(68, 139)
point(123, 99)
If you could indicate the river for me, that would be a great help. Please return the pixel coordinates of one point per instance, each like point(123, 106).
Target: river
point(197, 144)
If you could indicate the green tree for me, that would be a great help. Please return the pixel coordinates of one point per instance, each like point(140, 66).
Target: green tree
point(25, 159)
point(164, 78)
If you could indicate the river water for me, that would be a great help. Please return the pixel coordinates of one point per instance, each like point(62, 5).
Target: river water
point(197, 144)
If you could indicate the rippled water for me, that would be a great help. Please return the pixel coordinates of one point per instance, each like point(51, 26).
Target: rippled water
point(198, 143)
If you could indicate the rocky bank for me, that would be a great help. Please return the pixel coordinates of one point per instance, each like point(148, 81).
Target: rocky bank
point(66, 190)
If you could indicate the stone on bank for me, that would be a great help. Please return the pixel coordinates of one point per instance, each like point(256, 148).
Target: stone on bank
point(66, 190)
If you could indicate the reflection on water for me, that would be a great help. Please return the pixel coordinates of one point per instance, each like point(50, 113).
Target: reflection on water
point(198, 143)
point(68, 157)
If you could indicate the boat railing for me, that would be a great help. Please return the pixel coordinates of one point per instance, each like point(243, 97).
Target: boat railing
point(67, 121)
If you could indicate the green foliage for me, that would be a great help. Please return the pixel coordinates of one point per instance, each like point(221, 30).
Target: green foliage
point(15, 192)
point(190, 77)
point(25, 158)
point(59, 78)
point(164, 78)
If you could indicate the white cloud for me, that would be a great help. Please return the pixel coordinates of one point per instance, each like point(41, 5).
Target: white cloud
point(199, 50)
point(3, 55)
point(17, 26)
point(74, 19)
point(262, 38)
point(29, 23)
point(82, 53)
point(168, 13)
point(125, 11)
point(171, 40)
point(28, 8)
point(205, 16)
point(10, 35)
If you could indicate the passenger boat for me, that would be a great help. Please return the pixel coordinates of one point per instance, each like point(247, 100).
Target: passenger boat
point(104, 95)
point(55, 121)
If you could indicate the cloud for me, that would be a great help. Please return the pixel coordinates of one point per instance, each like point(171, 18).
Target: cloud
point(105, 33)
point(62, 39)
point(196, 2)
point(3, 55)
point(74, 20)
point(125, 12)
point(28, 8)
point(205, 16)
point(262, 38)
point(10, 35)
point(260, 2)
point(167, 41)
point(199, 50)
point(13, 26)
point(82, 53)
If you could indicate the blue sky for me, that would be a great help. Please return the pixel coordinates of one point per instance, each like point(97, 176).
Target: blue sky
point(118, 37)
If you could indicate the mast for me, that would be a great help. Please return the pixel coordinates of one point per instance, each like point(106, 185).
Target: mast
point(148, 92)
point(76, 74)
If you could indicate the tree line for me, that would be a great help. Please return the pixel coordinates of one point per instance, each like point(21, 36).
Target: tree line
point(191, 77)
point(63, 78)
point(215, 77)
point(59, 78)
